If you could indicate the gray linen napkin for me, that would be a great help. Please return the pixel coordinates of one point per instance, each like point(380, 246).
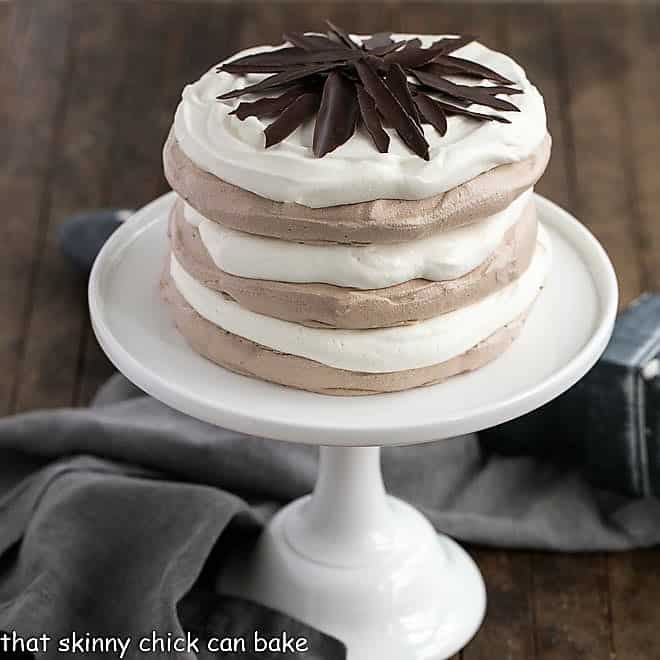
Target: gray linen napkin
point(114, 519)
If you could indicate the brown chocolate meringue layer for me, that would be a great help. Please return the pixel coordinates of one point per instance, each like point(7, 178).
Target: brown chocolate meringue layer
point(250, 359)
point(378, 221)
point(325, 305)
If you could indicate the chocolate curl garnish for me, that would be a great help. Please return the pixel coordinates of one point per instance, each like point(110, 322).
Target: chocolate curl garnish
point(432, 113)
point(381, 51)
point(268, 106)
point(456, 110)
point(342, 35)
point(413, 56)
point(292, 117)
point(284, 58)
point(374, 81)
point(372, 121)
point(337, 115)
point(392, 111)
point(457, 66)
point(451, 44)
point(396, 80)
point(278, 80)
point(472, 93)
point(378, 40)
point(312, 42)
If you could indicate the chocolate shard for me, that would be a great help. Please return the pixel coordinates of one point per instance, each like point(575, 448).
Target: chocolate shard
point(412, 56)
point(393, 112)
point(432, 112)
point(385, 50)
point(244, 69)
point(475, 94)
point(257, 59)
point(378, 64)
point(284, 58)
point(440, 71)
point(311, 42)
point(268, 106)
point(279, 79)
point(407, 55)
point(292, 117)
point(452, 65)
point(342, 35)
point(378, 40)
point(451, 44)
point(337, 114)
point(501, 89)
point(420, 89)
point(396, 80)
point(371, 121)
point(464, 112)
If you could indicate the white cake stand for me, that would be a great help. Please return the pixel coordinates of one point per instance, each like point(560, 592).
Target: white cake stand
point(349, 560)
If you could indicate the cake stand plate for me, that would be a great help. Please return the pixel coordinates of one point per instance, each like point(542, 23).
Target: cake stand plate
point(349, 560)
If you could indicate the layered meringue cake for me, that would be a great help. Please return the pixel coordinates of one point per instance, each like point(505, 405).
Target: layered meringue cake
point(355, 214)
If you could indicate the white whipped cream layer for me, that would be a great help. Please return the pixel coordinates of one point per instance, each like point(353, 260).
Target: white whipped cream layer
point(379, 350)
point(445, 256)
point(234, 150)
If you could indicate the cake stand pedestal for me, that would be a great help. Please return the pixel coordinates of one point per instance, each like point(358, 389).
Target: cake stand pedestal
point(364, 567)
point(349, 560)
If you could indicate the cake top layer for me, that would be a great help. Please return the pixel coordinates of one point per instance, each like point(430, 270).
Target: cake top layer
point(350, 160)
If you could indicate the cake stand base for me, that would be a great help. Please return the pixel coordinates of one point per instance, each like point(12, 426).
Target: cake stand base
point(363, 567)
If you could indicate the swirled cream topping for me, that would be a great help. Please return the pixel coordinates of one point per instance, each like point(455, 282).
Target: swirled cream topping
point(234, 150)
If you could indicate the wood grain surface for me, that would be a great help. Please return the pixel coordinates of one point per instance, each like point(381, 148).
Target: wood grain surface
point(88, 93)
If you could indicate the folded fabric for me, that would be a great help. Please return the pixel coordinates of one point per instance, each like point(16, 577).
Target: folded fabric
point(82, 235)
point(110, 521)
point(608, 425)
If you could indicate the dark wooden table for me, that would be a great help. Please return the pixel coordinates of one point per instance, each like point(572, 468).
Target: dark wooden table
point(87, 95)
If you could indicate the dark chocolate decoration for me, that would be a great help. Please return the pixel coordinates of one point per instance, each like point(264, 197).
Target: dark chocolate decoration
point(473, 93)
point(311, 42)
point(395, 79)
point(337, 115)
point(378, 40)
point(432, 113)
point(391, 109)
point(371, 120)
point(268, 106)
point(280, 79)
point(381, 82)
point(457, 110)
point(342, 35)
point(281, 61)
point(294, 115)
point(452, 65)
